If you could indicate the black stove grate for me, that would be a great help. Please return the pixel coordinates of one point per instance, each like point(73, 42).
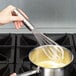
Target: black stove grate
point(7, 48)
point(62, 39)
point(6, 69)
point(14, 50)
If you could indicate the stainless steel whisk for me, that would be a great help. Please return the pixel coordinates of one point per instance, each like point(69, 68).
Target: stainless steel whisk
point(51, 52)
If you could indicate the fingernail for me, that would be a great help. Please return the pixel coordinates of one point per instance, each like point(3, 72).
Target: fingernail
point(14, 74)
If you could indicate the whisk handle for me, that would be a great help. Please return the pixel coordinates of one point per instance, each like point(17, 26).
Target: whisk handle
point(26, 22)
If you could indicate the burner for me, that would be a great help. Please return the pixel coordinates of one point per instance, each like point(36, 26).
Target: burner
point(26, 40)
point(25, 43)
point(22, 53)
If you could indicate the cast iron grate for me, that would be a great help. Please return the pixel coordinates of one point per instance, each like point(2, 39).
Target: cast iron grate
point(14, 49)
point(6, 69)
point(26, 40)
point(62, 39)
point(7, 48)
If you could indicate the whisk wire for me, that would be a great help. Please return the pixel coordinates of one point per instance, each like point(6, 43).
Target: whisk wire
point(43, 39)
point(50, 52)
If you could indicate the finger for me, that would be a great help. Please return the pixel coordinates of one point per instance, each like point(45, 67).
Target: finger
point(16, 18)
point(18, 24)
point(14, 74)
point(23, 13)
point(11, 7)
point(21, 23)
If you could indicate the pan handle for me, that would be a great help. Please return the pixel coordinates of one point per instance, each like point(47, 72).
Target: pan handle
point(29, 73)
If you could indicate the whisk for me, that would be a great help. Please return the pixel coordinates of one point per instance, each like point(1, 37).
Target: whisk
point(43, 39)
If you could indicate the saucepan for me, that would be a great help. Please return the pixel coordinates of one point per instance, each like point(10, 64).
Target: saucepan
point(46, 66)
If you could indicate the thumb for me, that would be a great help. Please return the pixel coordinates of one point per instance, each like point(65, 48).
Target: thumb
point(16, 18)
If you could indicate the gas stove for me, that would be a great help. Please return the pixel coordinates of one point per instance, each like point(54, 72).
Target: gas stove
point(14, 50)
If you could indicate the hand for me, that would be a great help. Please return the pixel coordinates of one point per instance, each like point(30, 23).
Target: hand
point(7, 16)
point(14, 74)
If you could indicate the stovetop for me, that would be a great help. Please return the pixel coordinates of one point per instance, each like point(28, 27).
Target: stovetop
point(14, 50)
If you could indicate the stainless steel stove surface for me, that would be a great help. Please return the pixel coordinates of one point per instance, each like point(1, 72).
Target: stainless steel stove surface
point(14, 50)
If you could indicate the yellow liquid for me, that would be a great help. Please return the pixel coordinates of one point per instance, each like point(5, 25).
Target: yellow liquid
point(50, 64)
point(39, 58)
